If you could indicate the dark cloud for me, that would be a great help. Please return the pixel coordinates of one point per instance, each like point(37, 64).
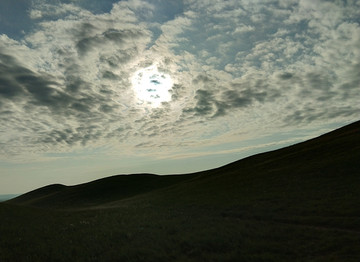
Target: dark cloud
point(40, 94)
point(308, 115)
point(110, 75)
point(81, 107)
point(40, 90)
point(74, 84)
point(106, 108)
point(72, 136)
point(120, 57)
point(84, 30)
point(218, 102)
point(208, 105)
point(9, 87)
point(118, 37)
point(234, 99)
point(16, 79)
point(16, 82)
point(319, 80)
point(86, 44)
point(204, 103)
point(43, 93)
point(144, 144)
point(285, 76)
point(202, 79)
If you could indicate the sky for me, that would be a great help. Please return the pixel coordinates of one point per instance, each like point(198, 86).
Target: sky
point(90, 88)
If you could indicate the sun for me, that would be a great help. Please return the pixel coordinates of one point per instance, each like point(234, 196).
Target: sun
point(151, 86)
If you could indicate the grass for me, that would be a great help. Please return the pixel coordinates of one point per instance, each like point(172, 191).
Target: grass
point(300, 203)
point(169, 234)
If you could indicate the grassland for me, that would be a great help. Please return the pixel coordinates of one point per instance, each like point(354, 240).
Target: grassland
point(300, 203)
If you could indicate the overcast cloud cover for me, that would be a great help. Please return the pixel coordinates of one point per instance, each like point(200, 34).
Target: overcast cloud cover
point(246, 75)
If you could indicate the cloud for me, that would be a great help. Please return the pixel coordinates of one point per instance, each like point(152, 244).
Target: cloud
point(68, 72)
point(9, 87)
point(109, 37)
point(236, 65)
point(310, 114)
point(204, 103)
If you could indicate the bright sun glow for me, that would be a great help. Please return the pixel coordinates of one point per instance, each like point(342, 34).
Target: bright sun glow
point(151, 86)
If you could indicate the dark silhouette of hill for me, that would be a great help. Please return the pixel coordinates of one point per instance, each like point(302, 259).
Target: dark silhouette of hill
point(97, 192)
point(319, 176)
point(317, 167)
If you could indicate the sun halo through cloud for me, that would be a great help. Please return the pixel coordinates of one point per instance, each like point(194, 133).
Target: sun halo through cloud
point(151, 86)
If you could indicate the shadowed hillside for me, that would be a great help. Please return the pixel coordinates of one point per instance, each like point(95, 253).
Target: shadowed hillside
point(299, 203)
point(97, 192)
point(325, 161)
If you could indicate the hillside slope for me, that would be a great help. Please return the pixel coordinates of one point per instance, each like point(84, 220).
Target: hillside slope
point(319, 177)
point(325, 167)
point(97, 192)
point(299, 203)
point(333, 158)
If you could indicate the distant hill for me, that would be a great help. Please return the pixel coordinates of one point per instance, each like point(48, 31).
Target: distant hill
point(97, 192)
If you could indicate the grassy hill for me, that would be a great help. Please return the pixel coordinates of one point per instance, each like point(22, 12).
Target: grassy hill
point(97, 192)
point(299, 203)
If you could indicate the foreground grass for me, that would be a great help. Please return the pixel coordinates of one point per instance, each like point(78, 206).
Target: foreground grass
point(189, 233)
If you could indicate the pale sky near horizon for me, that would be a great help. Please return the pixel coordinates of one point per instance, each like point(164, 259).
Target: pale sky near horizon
point(90, 88)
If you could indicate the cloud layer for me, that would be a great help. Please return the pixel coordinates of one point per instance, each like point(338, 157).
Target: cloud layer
point(237, 66)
